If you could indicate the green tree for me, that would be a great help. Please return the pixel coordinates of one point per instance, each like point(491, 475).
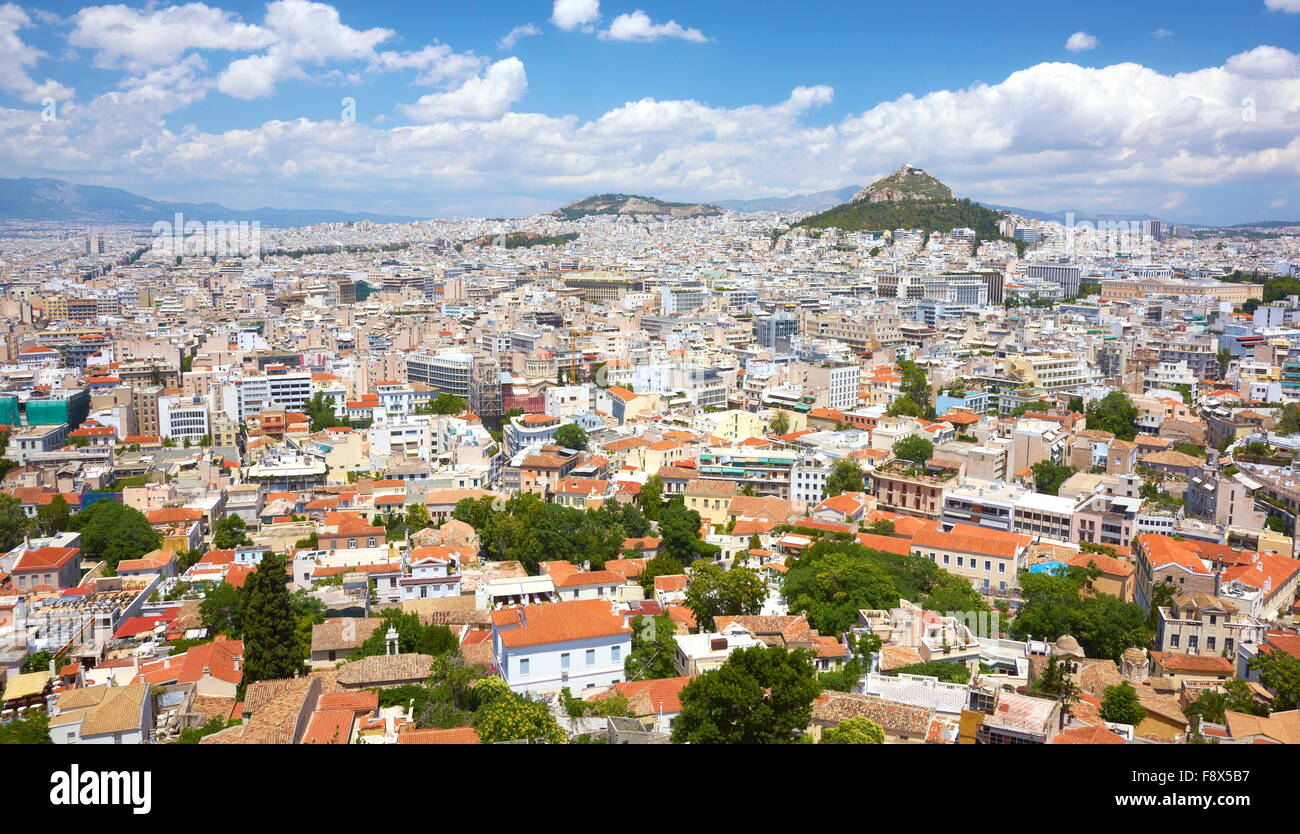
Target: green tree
point(14, 523)
point(1114, 413)
point(514, 718)
point(320, 412)
point(1076, 405)
point(855, 730)
point(271, 646)
point(417, 517)
point(846, 476)
point(830, 589)
point(761, 695)
point(661, 565)
point(571, 436)
point(779, 422)
point(222, 610)
point(679, 529)
point(33, 728)
point(53, 517)
point(413, 636)
point(881, 527)
point(1289, 422)
point(112, 532)
point(651, 497)
point(1224, 358)
point(1279, 673)
point(947, 672)
point(37, 662)
point(230, 534)
point(653, 649)
point(914, 448)
point(1103, 624)
point(194, 735)
point(714, 592)
point(1120, 704)
point(915, 386)
point(449, 404)
point(1049, 476)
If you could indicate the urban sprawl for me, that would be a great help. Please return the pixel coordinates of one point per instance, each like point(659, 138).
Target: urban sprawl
point(639, 477)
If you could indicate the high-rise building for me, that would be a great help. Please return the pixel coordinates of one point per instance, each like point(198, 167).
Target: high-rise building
point(1067, 276)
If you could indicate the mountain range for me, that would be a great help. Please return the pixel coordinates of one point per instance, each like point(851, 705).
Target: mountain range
point(57, 200)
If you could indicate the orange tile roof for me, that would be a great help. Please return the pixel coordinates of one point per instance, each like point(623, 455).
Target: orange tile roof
point(557, 622)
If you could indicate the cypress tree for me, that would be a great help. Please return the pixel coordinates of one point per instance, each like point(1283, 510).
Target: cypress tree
point(271, 648)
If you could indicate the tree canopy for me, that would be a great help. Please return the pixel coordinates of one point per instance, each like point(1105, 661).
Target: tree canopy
point(846, 476)
point(914, 448)
point(112, 532)
point(1121, 705)
point(271, 643)
point(1103, 624)
point(855, 730)
point(1114, 413)
point(571, 436)
point(714, 592)
point(761, 695)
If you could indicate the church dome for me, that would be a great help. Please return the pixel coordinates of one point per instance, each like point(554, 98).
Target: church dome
point(1067, 645)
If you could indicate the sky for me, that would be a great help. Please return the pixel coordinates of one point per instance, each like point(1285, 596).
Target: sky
point(1184, 109)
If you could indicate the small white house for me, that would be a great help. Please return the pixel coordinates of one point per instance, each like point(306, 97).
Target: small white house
point(541, 649)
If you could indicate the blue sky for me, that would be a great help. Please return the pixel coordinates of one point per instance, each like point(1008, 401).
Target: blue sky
point(1187, 110)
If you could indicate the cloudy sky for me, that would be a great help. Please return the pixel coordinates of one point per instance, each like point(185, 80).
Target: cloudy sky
point(1186, 109)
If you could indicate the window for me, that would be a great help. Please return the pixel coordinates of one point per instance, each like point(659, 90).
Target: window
point(1209, 643)
point(564, 662)
point(591, 657)
point(1173, 641)
point(1228, 644)
point(370, 542)
point(615, 654)
point(988, 566)
point(1193, 643)
point(1002, 567)
point(523, 666)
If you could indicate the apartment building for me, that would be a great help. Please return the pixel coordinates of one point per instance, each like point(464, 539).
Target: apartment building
point(991, 561)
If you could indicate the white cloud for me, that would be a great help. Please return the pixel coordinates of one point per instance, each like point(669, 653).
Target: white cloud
point(638, 26)
point(1282, 5)
point(1163, 33)
point(1278, 203)
point(437, 64)
point(484, 97)
point(1080, 41)
point(304, 33)
point(574, 14)
point(123, 36)
point(16, 56)
point(1051, 135)
point(1265, 62)
point(514, 35)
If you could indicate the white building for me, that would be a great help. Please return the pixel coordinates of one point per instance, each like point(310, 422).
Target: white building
point(541, 649)
point(248, 396)
point(183, 417)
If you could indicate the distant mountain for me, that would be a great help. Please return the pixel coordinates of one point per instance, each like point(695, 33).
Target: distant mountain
point(799, 203)
point(1062, 216)
point(57, 200)
point(1265, 224)
point(909, 198)
point(632, 204)
point(908, 184)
